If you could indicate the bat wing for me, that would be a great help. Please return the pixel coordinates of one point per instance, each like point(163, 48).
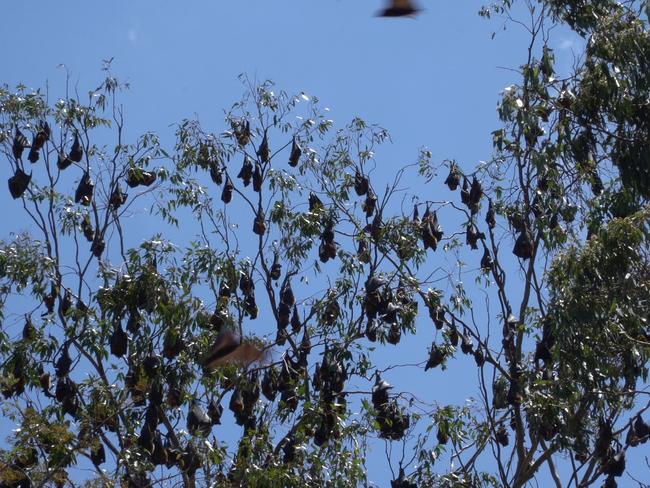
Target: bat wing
point(228, 349)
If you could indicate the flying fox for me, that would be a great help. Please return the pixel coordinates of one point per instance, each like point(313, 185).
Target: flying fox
point(399, 8)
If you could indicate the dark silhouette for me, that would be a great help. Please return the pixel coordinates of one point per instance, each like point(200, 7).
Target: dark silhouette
point(399, 8)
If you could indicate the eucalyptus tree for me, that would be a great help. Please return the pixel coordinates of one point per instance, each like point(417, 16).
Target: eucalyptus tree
point(271, 267)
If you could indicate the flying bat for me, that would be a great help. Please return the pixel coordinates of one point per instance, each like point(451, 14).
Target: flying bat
point(399, 8)
point(230, 349)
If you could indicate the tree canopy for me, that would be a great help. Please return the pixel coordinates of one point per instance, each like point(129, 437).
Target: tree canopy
point(300, 269)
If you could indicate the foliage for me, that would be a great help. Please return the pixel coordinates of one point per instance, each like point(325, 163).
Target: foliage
point(286, 238)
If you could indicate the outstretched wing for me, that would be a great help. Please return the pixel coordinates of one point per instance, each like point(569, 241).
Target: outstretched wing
point(229, 349)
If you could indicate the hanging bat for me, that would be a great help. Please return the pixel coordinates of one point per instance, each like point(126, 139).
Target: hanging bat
point(230, 349)
point(399, 8)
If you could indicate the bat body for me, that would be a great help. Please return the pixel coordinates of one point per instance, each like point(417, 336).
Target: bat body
point(230, 349)
point(399, 8)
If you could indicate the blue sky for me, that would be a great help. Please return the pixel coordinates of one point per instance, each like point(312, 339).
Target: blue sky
point(433, 81)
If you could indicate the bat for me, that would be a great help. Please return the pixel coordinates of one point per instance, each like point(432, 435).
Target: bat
point(399, 8)
point(230, 349)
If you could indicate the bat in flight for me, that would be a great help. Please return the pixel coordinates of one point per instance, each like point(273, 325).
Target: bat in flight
point(230, 349)
point(399, 8)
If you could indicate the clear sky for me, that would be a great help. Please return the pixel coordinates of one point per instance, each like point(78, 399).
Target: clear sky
point(433, 81)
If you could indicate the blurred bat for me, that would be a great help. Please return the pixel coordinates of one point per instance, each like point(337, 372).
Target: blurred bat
point(399, 8)
point(230, 349)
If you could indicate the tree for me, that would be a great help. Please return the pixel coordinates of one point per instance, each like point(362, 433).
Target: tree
point(291, 244)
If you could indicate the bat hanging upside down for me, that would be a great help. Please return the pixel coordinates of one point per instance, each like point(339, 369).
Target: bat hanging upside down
point(230, 349)
point(399, 8)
